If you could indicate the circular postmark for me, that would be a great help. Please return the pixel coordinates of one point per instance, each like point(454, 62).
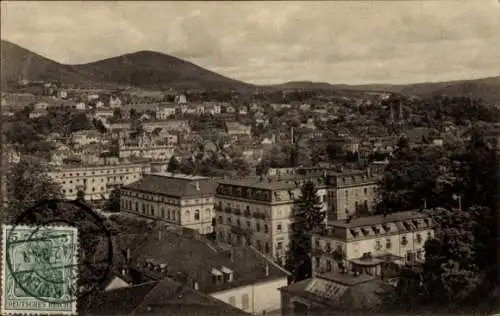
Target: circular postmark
point(58, 251)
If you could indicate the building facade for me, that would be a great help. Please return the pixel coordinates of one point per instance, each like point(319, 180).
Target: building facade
point(97, 181)
point(353, 192)
point(258, 212)
point(182, 200)
point(366, 243)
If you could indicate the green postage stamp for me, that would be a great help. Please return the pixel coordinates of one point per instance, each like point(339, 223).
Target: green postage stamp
point(39, 270)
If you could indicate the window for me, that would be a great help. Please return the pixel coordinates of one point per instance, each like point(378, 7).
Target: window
point(197, 215)
point(220, 220)
point(378, 245)
point(266, 229)
point(232, 301)
point(388, 244)
point(257, 227)
point(279, 245)
point(245, 304)
point(267, 247)
point(278, 227)
point(365, 190)
point(419, 238)
point(404, 241)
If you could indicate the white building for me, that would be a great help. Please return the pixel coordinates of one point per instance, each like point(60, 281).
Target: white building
point(366, 243)
point(242, 276)
point(179, 199)
point(97, 181)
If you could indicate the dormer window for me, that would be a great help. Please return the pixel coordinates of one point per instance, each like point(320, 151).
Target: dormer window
point(216, 276)
point(228, 274)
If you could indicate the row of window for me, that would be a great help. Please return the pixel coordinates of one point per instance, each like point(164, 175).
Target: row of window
point(102, 179)
point(149, 209)
point(237, 222)
point(102, 189)
point(103, 172)
point(240, 239)
point(174, 201)
point(378, 243)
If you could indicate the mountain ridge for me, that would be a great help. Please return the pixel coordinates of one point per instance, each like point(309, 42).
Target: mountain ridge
point(154, 70)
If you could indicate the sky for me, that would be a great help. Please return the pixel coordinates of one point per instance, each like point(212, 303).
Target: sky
point(356, 42)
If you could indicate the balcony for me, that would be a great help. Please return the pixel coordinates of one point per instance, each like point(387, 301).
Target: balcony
point(228, 210)
point(247, 213)
point(237, 211)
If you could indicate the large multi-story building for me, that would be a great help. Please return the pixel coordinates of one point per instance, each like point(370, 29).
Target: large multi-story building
point(258, 211)
point(353, 192)
point(183, 200)
point(97, 181)
point(366, 243)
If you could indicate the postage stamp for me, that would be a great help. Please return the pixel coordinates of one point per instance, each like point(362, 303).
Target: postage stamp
point(39, 270)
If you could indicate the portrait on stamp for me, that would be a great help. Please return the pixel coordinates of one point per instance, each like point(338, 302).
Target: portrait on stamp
point(39, 269)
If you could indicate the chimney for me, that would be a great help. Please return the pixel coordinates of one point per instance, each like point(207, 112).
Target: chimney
point(497, 161)
point(267, 269)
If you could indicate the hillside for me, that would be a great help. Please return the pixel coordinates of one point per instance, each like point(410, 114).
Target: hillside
point(143, 69)
point(156, 70)
point(19, 63)
point(153, 70)
point(486, 88)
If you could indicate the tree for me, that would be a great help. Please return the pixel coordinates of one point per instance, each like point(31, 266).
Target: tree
point(410, 178)
point(308, 218)
point(173, 165)
point(27, 183)
point(80, 195)
point(113, 202)
point(458, 269)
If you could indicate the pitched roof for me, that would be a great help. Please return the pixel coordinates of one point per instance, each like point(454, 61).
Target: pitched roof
point(165, 297)
point(174, 185)
point(344, 292)
point(195, 258)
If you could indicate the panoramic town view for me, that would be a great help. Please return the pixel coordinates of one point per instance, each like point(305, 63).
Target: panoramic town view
point(250, 158)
